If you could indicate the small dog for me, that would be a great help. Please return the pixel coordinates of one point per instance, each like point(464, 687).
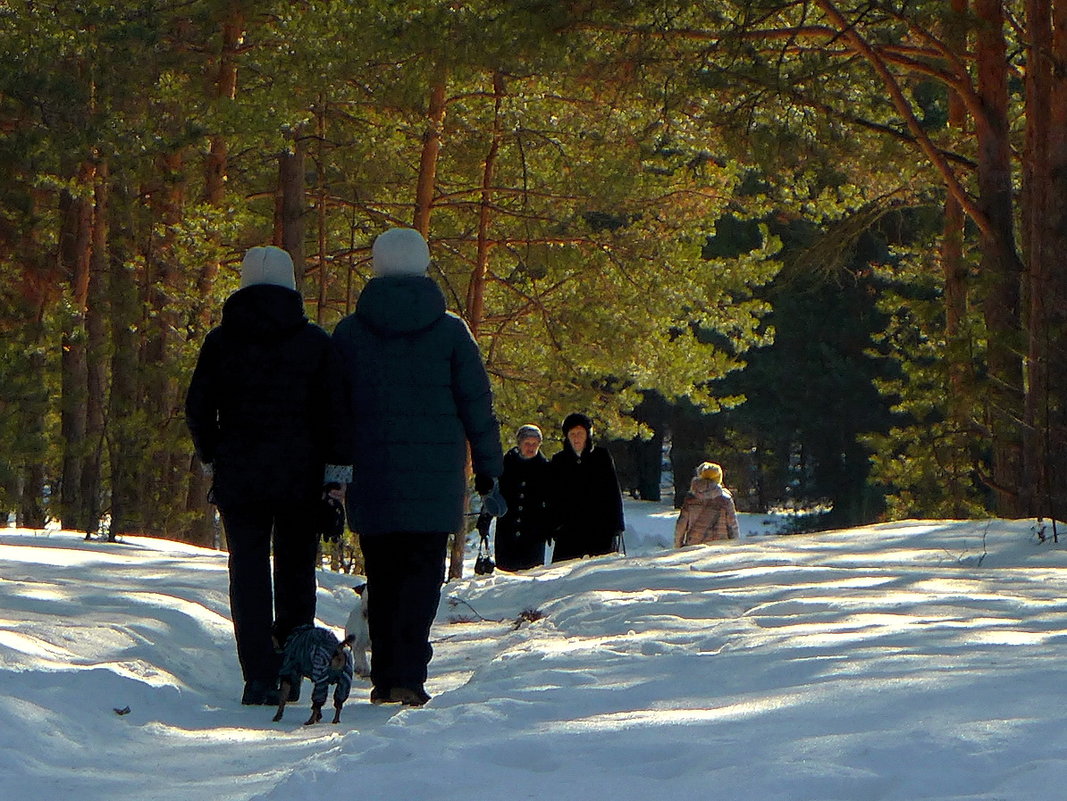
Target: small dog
point(358, 629)
point(315, 653)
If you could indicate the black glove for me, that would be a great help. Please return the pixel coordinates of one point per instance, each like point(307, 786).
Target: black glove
point(484, 519)
point(483, 484)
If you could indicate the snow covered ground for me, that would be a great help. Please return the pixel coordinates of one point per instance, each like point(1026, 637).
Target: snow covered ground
point(904, 661)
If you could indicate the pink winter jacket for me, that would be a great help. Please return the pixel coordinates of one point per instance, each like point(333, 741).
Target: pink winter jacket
point(707, 514)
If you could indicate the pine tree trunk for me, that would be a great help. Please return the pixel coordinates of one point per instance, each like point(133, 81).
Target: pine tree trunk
point(458, 542)
point(320, 211)
point(1053, 338)
point(292, 208)
point(431, 148)
point(74, 253)
point(476, 288)
point(166, 467)
point(31, 509)
point(31, 410)
point(124, 446)
point(648, 457)
point(95, 353)
point(1045, 229)
point(1001, 268)
point(958, 350)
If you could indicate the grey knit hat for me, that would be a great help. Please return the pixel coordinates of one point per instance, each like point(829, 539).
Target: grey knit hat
point(267, 265)
point(527, 431)
point(400, 251)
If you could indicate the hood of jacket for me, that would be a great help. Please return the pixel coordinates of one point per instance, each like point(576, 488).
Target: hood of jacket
point(706, 489)
point(400, 305)
point(263, 313)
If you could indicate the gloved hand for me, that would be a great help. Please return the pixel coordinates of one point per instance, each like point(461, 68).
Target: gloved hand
point(484, 519)
point(483, 484)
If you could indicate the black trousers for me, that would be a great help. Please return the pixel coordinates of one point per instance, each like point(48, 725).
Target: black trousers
point(260, 593)
point(405, 571)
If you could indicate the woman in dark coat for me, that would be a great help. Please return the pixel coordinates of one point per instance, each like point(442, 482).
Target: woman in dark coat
point(522, 532)
point(586, 500)
point(266, 411)
point(420, 394)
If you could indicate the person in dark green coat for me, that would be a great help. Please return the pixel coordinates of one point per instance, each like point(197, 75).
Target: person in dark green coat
point(419, 396)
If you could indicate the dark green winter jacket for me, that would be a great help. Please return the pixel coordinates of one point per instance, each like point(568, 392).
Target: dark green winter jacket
point(419, 394)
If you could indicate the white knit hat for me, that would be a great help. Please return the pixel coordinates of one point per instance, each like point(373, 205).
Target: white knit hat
point(400, 251)
point(267, 265)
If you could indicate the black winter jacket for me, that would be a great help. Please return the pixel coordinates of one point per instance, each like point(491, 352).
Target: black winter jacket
point(419, 394)
point(587, 503)
point(265, 405)
point(522, 532)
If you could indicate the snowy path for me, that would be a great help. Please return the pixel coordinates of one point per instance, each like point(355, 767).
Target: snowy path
point(913, 660)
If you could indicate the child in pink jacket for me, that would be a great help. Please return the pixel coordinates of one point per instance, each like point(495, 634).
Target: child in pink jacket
point(708, 512)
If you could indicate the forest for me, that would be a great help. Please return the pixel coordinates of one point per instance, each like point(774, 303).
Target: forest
point(818, 241)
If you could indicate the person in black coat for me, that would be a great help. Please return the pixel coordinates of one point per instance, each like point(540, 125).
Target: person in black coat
point(586, 500)
point(420, 395)
point(266, 411)
point(522, 532)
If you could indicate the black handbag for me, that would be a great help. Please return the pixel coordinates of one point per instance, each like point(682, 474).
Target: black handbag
point(484, 564)
point(330, 524)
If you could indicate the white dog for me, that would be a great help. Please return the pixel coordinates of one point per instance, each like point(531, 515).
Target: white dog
point(357, 628)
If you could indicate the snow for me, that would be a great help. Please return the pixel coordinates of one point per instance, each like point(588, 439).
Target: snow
point(903, 661)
